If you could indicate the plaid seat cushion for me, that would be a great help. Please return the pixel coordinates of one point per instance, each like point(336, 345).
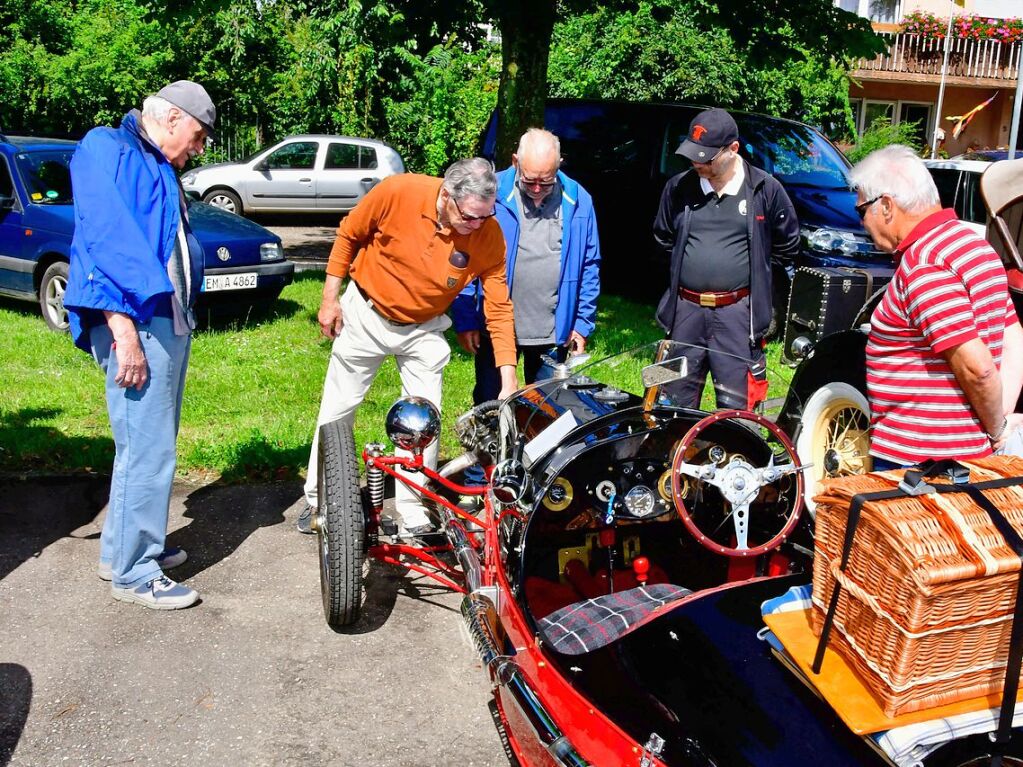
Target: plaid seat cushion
point(584, 626)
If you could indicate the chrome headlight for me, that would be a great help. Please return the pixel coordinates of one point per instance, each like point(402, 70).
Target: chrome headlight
point(413, 423)
point(189, 178)
point(271, 251)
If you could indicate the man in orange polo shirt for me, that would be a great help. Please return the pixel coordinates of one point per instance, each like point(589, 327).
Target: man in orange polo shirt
point(408, 248)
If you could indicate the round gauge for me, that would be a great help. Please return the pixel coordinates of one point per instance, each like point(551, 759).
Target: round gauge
point(559, 496)
point(604, 490)
point(640, 501)
point(717, 454)
point(664, 486)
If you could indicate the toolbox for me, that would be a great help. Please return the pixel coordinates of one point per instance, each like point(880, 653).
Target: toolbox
point(825, 300)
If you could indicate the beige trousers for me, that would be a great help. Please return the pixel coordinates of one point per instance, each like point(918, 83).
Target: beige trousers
point(365, 341)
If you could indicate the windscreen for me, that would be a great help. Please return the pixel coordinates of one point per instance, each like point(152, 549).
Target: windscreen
point(46, 175)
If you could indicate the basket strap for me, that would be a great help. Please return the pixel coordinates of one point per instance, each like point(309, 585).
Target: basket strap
point(855, 507)
point(1015, 659)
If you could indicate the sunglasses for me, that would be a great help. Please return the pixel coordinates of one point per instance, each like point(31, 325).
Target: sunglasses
point(540, 182)
point(861, 209)
point(712, 159)
point(469, 218)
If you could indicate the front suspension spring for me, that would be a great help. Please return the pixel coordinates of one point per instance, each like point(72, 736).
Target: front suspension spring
point(375, 476)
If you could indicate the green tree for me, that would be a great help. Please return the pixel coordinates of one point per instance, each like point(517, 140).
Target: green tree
point(767, 32)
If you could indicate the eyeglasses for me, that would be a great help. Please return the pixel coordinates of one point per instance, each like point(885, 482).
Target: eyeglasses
point(861, 209)
point(543, 183)
point(712, 159)
point(468, 218)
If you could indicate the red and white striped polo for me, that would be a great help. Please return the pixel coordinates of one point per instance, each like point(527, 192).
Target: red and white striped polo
point(949, 288)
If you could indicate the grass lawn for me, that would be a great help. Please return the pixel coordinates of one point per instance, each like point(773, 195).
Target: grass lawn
point(252, 395)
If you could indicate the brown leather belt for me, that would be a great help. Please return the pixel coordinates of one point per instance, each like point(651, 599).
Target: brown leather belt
point(714, 300)
point(372, 305)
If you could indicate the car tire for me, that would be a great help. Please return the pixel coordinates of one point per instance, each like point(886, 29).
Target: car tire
point(51, 296)
point(224, 199)
point(341, 525)
point(833, 435)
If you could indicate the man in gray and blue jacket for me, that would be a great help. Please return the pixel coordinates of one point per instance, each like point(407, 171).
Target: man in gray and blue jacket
point(553, 262)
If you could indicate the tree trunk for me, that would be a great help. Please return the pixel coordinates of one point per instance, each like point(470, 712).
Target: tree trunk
point(526, 30)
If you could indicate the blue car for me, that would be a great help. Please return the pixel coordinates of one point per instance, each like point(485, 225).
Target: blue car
point(245, 262)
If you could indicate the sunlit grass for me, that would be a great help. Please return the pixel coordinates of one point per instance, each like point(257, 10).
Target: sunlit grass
point(253, 389)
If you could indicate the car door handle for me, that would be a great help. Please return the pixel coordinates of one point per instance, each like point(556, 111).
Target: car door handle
point(370, 180)
point(305, 181)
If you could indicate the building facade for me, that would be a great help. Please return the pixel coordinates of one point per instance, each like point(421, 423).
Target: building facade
point(903, 83)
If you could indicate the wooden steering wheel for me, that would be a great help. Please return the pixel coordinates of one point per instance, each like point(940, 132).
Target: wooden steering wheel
point(739, 482)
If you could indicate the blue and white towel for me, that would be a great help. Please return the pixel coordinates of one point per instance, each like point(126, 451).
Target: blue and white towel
point(909, 745)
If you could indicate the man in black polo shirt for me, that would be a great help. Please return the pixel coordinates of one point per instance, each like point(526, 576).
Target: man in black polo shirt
point(722, 223)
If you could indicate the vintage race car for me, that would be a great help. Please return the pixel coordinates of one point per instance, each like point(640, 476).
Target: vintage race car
point(614, 569)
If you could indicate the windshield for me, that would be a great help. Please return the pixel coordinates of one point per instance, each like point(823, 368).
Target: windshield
point(658, 375)
point(46, 175)
point(793, 153)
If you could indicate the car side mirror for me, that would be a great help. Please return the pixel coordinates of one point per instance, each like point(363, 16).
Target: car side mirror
point(260, 166)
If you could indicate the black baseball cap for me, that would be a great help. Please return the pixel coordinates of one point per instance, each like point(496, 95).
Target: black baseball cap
point(708, 132)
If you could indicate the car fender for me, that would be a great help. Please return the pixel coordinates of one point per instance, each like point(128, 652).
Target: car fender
point(837, 358)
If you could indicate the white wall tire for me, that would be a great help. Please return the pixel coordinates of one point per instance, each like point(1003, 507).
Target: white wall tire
point(834, 436)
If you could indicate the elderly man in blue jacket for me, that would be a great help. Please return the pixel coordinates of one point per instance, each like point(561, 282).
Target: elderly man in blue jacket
point(135, 272)
point(553, 261)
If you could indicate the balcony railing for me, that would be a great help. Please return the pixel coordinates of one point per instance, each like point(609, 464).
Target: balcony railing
point(968, 58)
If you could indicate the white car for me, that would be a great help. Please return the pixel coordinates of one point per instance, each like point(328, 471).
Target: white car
point(958, 183)
point(301, 174)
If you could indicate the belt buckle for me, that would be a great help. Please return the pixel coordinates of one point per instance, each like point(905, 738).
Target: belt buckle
point(708, 300)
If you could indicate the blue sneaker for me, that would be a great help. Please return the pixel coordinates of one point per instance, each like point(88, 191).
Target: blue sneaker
point(170, 559)
point(158, 594)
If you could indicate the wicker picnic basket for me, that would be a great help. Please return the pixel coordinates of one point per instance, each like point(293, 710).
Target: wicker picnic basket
point(925, 609)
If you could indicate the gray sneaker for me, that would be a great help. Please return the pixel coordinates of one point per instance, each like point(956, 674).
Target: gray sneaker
point(171, 558)
point(158, 594)
point(305, 520)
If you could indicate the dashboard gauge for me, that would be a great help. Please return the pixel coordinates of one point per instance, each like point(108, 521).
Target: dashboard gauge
point(640, 501)
point(559, 496)
point(717, 454)
point(664, 486)
point(604, 490)
point(737, 457)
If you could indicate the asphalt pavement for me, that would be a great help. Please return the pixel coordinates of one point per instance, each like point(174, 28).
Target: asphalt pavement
point(250, 676)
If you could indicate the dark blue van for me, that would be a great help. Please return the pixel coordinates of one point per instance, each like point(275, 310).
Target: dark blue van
point(624, 152)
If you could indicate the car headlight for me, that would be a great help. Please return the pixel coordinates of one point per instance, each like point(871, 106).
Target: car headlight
point(271, 251)
point(189, 178)
point(827, 240)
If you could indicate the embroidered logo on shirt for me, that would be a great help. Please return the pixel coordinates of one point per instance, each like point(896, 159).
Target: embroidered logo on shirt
point(452, 282)
point(742, 207)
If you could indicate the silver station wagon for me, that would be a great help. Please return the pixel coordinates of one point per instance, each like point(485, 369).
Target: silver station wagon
point(301, 174)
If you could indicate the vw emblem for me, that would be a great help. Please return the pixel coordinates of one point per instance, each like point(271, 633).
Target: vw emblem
point(223, 254)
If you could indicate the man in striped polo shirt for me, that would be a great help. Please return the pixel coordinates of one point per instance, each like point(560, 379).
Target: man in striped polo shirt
point(945, 322)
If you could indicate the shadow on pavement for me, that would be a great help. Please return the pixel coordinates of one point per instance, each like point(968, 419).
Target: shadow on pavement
point(43, 446)
point(15, 702)
point(34, 515)
point(223, 516)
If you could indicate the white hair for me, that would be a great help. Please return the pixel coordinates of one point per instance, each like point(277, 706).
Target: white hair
point(157, 108)
point(473, 177)
point(896, 171)
point(537, 141)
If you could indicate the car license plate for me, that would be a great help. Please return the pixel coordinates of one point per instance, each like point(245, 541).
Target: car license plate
point(212, 282)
